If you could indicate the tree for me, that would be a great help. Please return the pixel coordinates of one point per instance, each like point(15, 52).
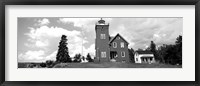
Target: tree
point(178, 44)
point(83, 58)
point(49, 63)
point(77, 58)
point(89, 58)
point(162, 53)
point(131, 55)
point(148, 49)
point(139, 49)
point(153, 49)
point(63, 54)
point(171, 54)
point(43, 65)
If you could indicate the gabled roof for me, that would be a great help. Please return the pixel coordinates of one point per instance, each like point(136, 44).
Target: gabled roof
point(144, 52)
point(113, 38)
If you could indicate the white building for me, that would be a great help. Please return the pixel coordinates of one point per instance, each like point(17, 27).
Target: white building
point(144, 57)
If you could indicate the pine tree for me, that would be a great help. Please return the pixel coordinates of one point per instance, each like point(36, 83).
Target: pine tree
point(63, 54)
point(131, 55)
point(179, 49)
point(153, 49)
point(89, 58)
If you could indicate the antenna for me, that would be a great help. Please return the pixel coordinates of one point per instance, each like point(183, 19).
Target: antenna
point(82, 42)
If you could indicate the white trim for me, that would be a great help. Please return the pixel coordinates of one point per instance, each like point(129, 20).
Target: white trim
point(114, 44)
point(122, 44)
point(102, 36)
point(123, 53)
point(103, 54)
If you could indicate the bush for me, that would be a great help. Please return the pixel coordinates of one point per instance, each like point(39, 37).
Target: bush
point(50, 63)
point(31, 65)
point(77, 58)
point(43, 65)
point(89, 58)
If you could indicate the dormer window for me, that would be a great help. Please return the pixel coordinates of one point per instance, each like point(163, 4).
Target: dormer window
point(118, 38)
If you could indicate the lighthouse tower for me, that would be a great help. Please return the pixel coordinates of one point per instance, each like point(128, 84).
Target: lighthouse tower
point(102, 41)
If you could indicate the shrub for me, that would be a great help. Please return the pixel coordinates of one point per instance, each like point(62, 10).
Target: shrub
point(50, 63)
point(43, 65)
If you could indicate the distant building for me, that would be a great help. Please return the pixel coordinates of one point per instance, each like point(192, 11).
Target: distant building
point(144, 57)
point(109, 48)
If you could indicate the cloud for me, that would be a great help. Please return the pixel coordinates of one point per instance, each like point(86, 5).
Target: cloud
point(46, 37)
point(87, 24)
point(50, 31)
point(38, 37)
point(137, 31)
point(82, 50)
point(36, 56)
point(52, 56)
point(140, 31)
point(42, 43)
point(30, 56)
point(78, 22)
point(90, 50)
point(43, 21)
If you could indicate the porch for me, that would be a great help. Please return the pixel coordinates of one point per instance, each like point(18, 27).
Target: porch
point(147, 59)
point(113, 56)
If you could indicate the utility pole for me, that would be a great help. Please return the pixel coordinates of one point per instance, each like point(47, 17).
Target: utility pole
point(82, 40)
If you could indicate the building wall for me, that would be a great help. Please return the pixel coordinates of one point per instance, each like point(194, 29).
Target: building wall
point(101, 45)
point(119, 50)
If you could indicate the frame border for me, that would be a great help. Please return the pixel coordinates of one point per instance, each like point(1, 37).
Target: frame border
point(98, 2)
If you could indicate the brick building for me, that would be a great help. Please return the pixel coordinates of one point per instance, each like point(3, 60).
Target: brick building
point(109, 48)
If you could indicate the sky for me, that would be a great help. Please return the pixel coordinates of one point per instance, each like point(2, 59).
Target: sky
point(39, 37)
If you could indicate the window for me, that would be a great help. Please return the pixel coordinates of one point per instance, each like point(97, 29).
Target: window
point(103, 36)
point(123, 54)
point(136, 59)
point(114, 45)
point(122, 44)
point(118, 38)
point(103, 54)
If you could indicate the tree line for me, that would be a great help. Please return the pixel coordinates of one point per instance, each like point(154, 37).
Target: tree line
point(62, 56)
point(63, 53)
point(167, 53)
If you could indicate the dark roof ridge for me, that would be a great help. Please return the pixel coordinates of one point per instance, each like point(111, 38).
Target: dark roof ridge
point(144, 52)
point(116, 36)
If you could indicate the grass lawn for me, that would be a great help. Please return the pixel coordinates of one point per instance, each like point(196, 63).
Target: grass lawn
point(24, 64)
point(114, 65)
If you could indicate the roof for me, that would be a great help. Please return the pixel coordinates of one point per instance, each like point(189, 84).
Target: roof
point(147, 56)
point(113, 38)
point(144, 52)
point(102, 22)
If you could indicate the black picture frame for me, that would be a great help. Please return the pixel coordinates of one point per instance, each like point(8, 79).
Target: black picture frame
point(98, 2)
